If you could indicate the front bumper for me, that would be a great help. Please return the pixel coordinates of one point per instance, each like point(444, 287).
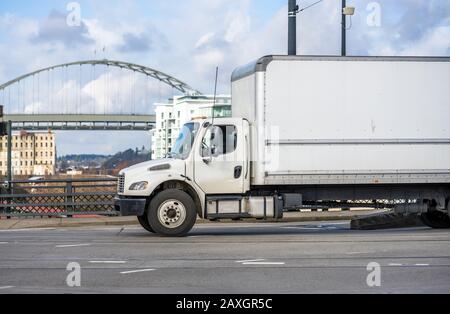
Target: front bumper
point(130, 206)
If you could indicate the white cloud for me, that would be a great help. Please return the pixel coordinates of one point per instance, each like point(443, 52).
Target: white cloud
point(434, 43)
point(204, 40)
point(238, 26)
point(103, 36)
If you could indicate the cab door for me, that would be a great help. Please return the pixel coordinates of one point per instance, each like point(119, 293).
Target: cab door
point(220, 162)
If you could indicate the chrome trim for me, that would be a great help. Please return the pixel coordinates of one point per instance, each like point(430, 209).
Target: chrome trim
point(121, 184)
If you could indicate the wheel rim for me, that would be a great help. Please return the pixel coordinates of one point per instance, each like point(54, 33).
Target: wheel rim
point(172, 214)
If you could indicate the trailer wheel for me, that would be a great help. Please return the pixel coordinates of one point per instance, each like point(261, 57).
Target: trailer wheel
point(172, 213)
point(143, 220)
point(436, 220)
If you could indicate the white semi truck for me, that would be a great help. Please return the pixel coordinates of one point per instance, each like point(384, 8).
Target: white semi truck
point(307, 131)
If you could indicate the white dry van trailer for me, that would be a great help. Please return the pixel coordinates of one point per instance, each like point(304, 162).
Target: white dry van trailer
point(307, 131)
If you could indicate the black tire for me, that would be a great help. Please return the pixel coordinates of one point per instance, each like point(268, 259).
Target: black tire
point(436, 220)
point(143, 220)
point(173, 201)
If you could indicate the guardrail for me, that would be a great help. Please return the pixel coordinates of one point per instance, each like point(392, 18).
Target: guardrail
point(50, 198)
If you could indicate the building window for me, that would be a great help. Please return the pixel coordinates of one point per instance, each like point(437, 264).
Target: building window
point(224, 140)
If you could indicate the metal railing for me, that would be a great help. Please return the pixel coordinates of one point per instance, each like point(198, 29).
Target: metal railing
point(65, 197)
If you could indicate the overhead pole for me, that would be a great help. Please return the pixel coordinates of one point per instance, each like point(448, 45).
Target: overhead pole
point(9, 153)
point(344, 30)
point(292, 32)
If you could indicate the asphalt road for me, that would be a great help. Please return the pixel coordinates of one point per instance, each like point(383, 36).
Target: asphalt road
point(226, 259)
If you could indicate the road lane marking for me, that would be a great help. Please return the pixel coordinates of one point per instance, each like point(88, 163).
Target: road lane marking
point(304, 228)
point(264, 263)
point(137, 271)
point(405, 265)
point(3, 242)
point(71, 245)
point(107, 262)
point(251, 260)
point(6, 287)
point(28, 230)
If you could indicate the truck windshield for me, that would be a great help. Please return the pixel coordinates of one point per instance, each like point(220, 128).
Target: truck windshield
point(183, 146)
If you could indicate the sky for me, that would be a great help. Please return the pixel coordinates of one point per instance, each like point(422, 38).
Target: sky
point(189, 38)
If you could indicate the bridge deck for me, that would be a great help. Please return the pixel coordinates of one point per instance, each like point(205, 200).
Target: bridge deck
point(82, 122)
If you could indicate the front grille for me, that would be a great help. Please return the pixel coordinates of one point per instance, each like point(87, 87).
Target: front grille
point(121, 185)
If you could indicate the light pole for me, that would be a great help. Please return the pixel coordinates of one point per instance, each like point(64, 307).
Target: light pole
point(292, 30)
point(346, 11)
point(293, 10)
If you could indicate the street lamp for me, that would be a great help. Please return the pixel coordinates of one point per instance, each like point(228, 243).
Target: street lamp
point(346, 11)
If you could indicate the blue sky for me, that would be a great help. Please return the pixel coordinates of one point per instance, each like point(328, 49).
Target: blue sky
point(189, 38)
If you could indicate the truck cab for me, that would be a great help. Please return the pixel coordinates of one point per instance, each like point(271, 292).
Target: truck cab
point(206, 175)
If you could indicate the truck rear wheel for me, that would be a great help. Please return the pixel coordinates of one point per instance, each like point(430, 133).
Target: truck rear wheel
point(436, 220)
point(143, 220)
point(172, 213)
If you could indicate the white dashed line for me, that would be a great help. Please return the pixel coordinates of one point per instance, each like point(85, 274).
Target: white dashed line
point(303, 228)
point(6, 287)
point(71, 245)
point(264, 263)
point(3, 242)
point(395, 264)
point(137, 271)
point(107, 262)
point(251, 260)
point(422, 265)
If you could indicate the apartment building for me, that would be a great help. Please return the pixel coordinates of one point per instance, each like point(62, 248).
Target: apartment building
point(33, 154)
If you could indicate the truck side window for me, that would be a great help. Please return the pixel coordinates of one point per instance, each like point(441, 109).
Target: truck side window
point(219, 140)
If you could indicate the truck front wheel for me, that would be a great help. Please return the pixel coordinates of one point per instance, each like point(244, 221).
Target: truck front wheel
point(172, 213)
point(436, 220)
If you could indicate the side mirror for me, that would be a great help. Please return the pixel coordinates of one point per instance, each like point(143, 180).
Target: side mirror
point(207, 160)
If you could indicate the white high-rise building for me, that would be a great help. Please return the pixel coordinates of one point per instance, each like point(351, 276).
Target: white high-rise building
point(171, 116)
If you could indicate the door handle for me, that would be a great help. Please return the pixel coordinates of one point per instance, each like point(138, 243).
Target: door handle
point(237, 172)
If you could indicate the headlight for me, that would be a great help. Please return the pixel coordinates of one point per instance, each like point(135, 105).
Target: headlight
point(139, 186)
